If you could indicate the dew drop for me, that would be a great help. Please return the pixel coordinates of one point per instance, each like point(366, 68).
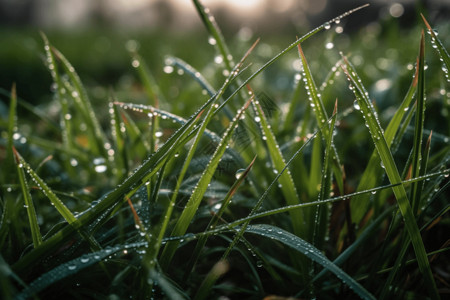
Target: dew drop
point(356, 105)
point(239, 173)
point(327, 25)
point(72, 267)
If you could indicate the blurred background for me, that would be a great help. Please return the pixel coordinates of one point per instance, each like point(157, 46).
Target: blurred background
point(96, 36)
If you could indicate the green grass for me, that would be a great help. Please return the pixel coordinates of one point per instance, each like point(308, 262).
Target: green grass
point(223, 180)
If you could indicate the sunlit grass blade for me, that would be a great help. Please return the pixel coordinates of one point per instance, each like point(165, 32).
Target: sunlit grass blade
point(437, 44)
point(29, 205)
point(301, 246)
point(418, 132)
point(321, 116)
point(194, 201)
point(374, 171)
point(376, 132)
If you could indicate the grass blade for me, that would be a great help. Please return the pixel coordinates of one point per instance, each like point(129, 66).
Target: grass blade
point(80, 96)
point(437, 44)
point(309, 251)
point(194, 201)
point(287, 183)
point(321, 116)
point(376, 132)
point(59, 205)
point(373, 171)
point(418, 132)
point(31, 212)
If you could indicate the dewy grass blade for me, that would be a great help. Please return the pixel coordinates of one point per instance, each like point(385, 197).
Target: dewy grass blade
point(59, 205)
point(309, 251)
point(31, 212)
point(287, 183)
point(79, 94)
point(254, 216)
point(322, 211)
point(216, 38)
point(376, 132)
point(437, 44)
point(72, 267)
point(418, 132)
point(194, 201)
point(321, 116)
point(373, 171)
point(68, 139)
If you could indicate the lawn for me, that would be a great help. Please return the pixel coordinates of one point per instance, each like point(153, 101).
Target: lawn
point(312, 165)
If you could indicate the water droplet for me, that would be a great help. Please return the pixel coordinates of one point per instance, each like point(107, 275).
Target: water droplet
point(239, 173)
point(356, 105)
point(72, 267)
point(257, 119)
point(212, 41)
point(259, 264)
point(327, 25)
point(135, 63)
point(85, 260)
point(329, 45)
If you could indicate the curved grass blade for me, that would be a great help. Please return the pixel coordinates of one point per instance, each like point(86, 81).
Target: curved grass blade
point(376, 132)
point(31, 212)
point(66, 125)
point(321, 116)
point(194, 201)
point(437, 44)
point(373, 171)
point(80, 96)
point(309, 251)
point(181, 64)
point(72, 267)
point(59, 205)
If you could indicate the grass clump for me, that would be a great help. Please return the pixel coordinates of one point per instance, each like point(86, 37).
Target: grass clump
point(249, 196)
